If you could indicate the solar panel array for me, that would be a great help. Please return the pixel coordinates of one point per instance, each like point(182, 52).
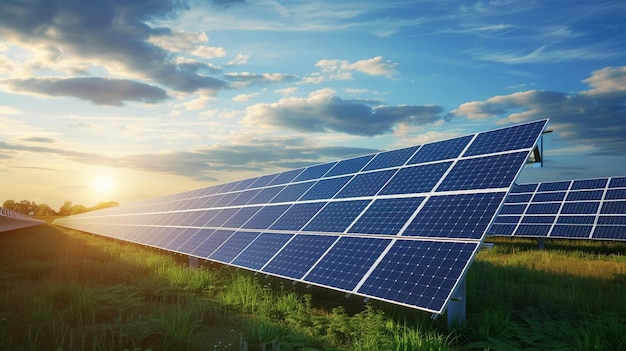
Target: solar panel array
point(583, 209)
point(400, 226)
point(11, 220)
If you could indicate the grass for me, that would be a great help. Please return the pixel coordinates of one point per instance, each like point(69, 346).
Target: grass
point(66, 290)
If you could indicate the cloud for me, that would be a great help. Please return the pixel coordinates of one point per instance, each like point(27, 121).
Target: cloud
point(342, 69)
point(322, 111)
point(40, 140)
point(100, 91)
point(247, 78)
point(249, 153)
point(115, 35)
point(240, 59)
point(593, 117)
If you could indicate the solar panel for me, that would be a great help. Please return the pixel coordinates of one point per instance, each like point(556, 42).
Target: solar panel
point(400, 226)
point(583, 208)
point(11, 220)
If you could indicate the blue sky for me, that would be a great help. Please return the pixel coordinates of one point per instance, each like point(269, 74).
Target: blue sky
point(128, 100)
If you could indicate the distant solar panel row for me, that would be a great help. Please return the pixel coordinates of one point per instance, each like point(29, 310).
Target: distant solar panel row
point(584, 209)
point(400, 226)
point(11, 220)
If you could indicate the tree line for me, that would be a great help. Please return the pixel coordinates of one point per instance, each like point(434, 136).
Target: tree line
point(31, 208)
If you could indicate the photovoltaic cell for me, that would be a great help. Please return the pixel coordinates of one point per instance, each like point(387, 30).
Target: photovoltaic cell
point(211, 243)
point(292, 192)
point(265, 217)
point(314, 172)
point(506, 139)
point(419, 273)
point(554, 186)
point(386, 216)
point(347, 262)
point(401, 225)
point(571, 231)
point(325, 188)
point(549, 197)
point(233, 246)
point(366, 184)
point(391, 158)
point(618, 182)
point(299, 255)
point(441, 150)
point(286, 177)
point(297, 216)
point(589, 184)
point(532, 230)
point(455, 216)
point(483, 173)
point(336, 216)
point(416, 179)
point(352, 165)
point(261, 250)
point(523, 188)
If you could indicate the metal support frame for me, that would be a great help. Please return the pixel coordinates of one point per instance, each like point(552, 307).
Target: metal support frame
point(457, 307)
point(542, 243)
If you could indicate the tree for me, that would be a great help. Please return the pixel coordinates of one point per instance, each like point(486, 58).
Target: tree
point(45, 210)
point(76, 209)
point(9, 205)
point(66, 208)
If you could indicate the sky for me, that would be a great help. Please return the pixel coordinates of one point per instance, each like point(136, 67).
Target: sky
point(129, 100)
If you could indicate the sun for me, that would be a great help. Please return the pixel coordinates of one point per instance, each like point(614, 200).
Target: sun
point(103, 185)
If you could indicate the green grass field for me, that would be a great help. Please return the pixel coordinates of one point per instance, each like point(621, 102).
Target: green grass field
point(66, 290)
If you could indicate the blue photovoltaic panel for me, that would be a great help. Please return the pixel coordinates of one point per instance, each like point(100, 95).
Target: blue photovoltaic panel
point(261, 250)
point(292, 192)
point(483, 173)
point(233, 246)
point(518, 198)
point(504, 229)
point(195, 240)
point(523, 188)
point(571, 231)
point(455, 216)
point(286, 177)
point(416, 179)
point(244, 184)
point(241, 217)
point(549, 197)
point(585, 195)
point(314, 172)
point(618, 182)
point(391, 158)
point(352, 165)
point(366, 184)
point(244, 197)
point(386, 216)
point(263, 181)
point(265, 195)
point(347, 262)
point(325, 188)
point(336, 216)
point(419, 273)
point(442, 150)
point(265, 217)
point(299, 255)
point(554, 186)
point(401, 225)
point(589, 184)
point(211, 243)
point(580, 208)
point(506, 139)
point(297, 216)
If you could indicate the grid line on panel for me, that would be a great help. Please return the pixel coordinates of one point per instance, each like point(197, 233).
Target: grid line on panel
point(386, 216)
point(366, 184)
point(261, 250)
point(325, 188)
point(299, 255)
point(349, 166)
point(389, 159)
point(506, 139)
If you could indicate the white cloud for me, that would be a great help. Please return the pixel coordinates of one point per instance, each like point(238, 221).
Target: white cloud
point(343, 69)
point(240, 59)
point(244, 97)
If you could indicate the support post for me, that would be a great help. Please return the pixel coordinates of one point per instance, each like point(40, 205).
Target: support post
point(193, 262)
point(457, 307)
point(542, 243)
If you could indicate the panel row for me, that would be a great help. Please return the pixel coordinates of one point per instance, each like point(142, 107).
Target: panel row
point(400, 226)
point(585, 208)
point(11, 220)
